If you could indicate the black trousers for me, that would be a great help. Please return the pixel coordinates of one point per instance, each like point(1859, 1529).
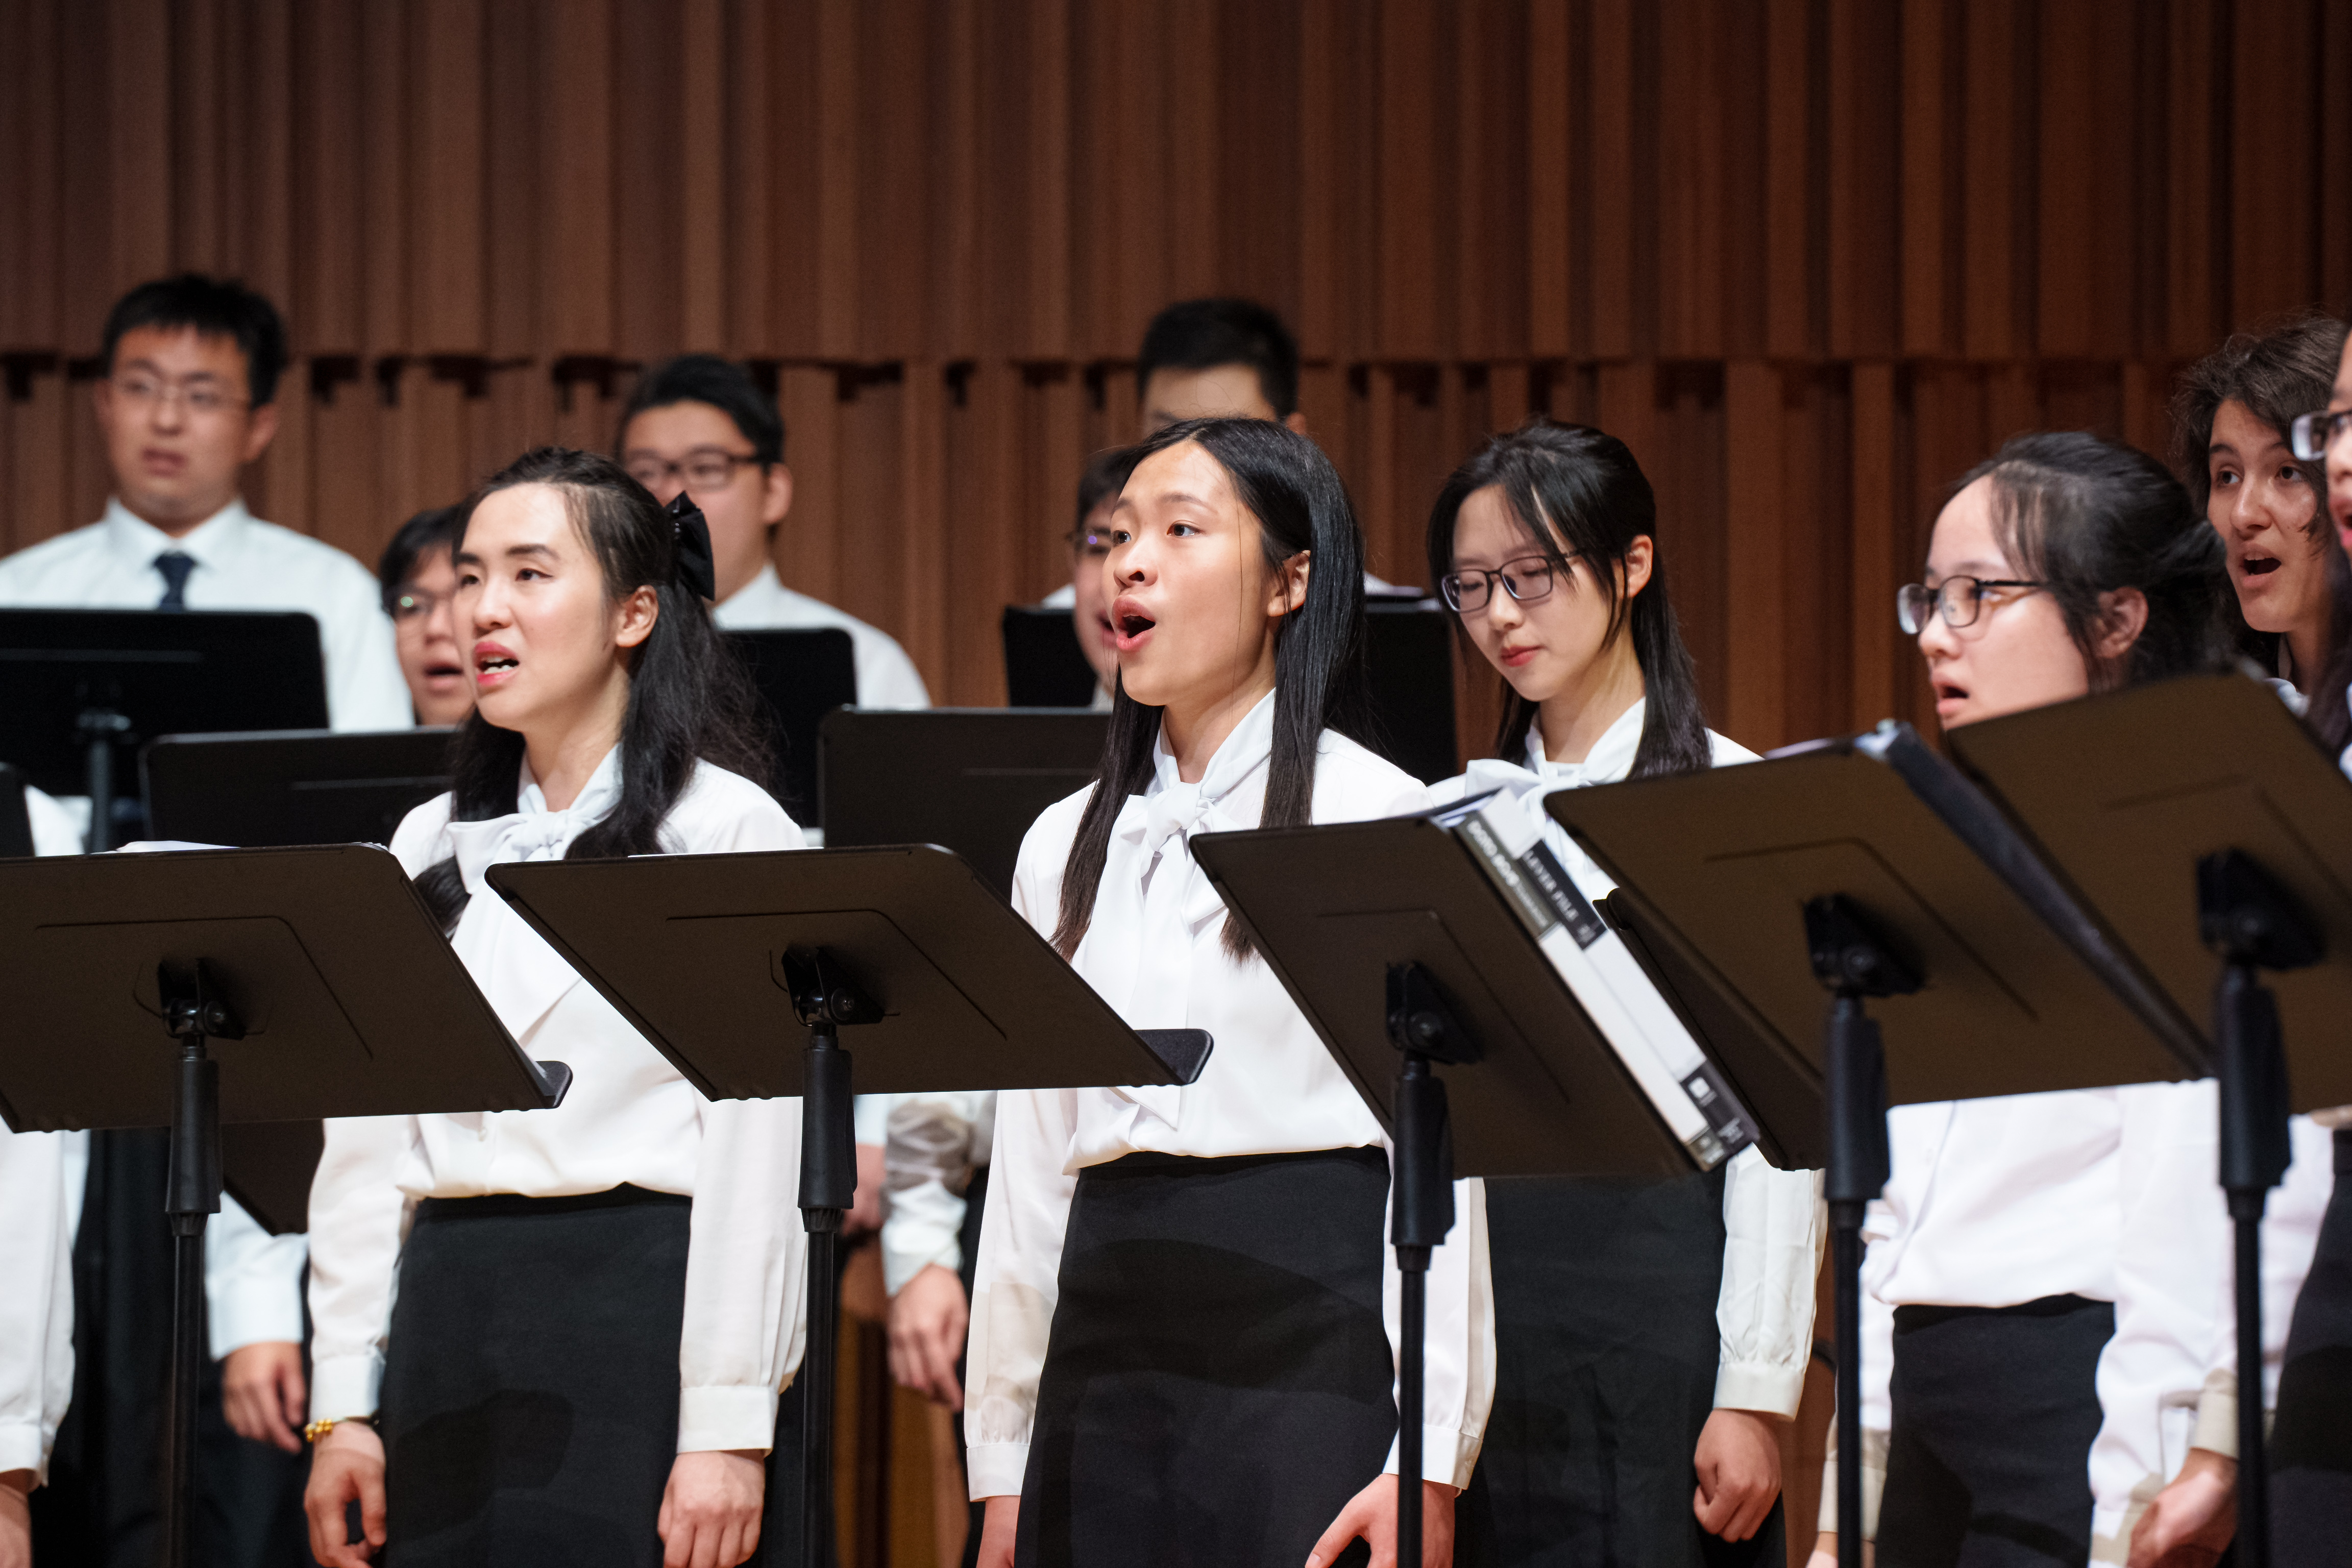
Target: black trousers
point(104, 1505)
point(1217, 1379)
point(2311, 1445)
point(1994, 1412)
point(529, 1409)
point(1606, 1354)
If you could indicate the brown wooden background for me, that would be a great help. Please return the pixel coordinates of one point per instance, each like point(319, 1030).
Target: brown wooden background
point(1811, 258)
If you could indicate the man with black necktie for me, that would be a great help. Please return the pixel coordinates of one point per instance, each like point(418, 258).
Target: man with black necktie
point(188, 401)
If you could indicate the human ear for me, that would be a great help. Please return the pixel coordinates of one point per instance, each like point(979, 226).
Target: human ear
point(635, 618)
point(1640, 556)
point(2123, 615)
point(260, 431)
point(776, 495)
point(1289, 586)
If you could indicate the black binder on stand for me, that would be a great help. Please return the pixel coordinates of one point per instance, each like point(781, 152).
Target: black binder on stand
point(86, 686)
point(727, 963)
point(802, 674)
point(246, 985)
point(2211, 833)
point(1472, 996)
point(1870, 868)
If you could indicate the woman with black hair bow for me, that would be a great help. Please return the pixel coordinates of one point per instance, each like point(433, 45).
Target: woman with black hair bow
point(597, 1305)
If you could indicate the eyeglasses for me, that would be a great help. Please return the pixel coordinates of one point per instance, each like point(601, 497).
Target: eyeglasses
point(415, 602)
point(203, 398)
point(2312, 434)
point(1525, 580)
point(1094, 543)
point(703, 471)
point(1959, 600)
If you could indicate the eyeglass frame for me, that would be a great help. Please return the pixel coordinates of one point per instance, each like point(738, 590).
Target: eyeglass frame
point(413, 601)
point(1077, 539)
point(1976, 598)
point(203, 398)
point(735, 460)
point(2301, 428)
point(1450, 585)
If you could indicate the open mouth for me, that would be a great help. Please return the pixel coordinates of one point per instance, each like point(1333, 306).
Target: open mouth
point(491, 663)
point(2258, 566)
point(1949, 692)
point(445, 671)
point(1130, 625)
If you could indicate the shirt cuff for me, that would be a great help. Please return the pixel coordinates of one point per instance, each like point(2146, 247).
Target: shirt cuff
point(996, 1468)
point(2217, 1414)
point(254, 1310)
point(726, 1415)
point(1874, 1485)
point(1446, 1455)
point(901, 1262)
point(1761, 1385)
point(22, 1448)
point(345, 1386)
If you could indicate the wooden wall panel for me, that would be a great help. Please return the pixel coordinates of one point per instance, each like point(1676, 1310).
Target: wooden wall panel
point(1811, 258)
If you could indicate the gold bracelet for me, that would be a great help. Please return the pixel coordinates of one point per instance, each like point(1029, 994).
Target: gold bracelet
point(317, 1429)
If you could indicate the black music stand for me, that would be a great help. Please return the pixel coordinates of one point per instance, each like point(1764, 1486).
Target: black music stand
point(1869, 867)
point(802, 674)
point(2202, 823)
point(273, 985)
point(713, 956)
point(279, 788)
point(1043, 665)
point(1413, 968)
point(84, 684)
point(967, 779)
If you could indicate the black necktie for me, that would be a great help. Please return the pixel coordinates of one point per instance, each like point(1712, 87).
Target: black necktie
point(176, 565)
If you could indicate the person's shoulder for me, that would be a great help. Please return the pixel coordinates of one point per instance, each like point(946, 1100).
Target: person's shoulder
point(295, 547)
point(59, 549)
point(1057, 824)
point(1722, 751)
point(420, 840)
point(1353, 781)
point(721, 810)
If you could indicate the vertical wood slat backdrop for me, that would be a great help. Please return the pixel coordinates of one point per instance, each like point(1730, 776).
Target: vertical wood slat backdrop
point(1811, 258)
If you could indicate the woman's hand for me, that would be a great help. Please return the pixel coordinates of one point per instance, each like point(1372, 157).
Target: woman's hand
point(710, 1510)
point(1825, 1552)
point(1372, 1515)
point(15, 1519)
point(346, 1468)
point(263, 1394)
point(928, 1317)
point(998, 1526)
point(2191, 1523)
point(1739, 1465)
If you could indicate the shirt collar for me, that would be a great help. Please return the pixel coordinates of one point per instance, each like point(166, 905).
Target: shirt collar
point(211, 542)
point(1240, 754)
point(1609, 762)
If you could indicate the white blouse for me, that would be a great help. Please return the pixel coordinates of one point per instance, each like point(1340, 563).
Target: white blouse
point(1773, 1220)
point(628, 1117)
point(37, 1307)
point(1154, 952)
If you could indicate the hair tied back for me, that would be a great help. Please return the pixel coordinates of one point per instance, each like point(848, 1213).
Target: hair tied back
point(694, 570)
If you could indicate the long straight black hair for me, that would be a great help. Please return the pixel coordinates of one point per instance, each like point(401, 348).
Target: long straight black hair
point(1578, 495)
point(1290, 487)
point(690, 699)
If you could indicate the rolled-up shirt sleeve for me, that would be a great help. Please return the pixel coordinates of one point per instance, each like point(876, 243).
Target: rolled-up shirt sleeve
point(253, 1282)
point(1773, 1226)
point(37, 1307)
point(746, 1276)
point(927, 1153)
point(359, 1220)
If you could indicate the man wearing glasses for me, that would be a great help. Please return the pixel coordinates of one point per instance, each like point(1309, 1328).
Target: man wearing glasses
point(700, 424)
point(188, 402)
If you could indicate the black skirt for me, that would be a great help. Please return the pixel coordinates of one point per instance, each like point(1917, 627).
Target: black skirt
point(2311, 1446)
point(1218, 1382)
point(529, 1409)
point(1605, 1359)
point(1993, 1412)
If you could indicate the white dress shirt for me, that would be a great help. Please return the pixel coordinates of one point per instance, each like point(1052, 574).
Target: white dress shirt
point(628, 1118)
point(930, 1147)
point(887, 677)
point(55, 831)
point(242, 563)
point(1773, 1220)
point(37, 1316)
point(1154, 951)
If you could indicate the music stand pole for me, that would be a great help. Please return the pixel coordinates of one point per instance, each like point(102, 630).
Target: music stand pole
point(1854, 961)
point(98, 729)
point(2253, 925)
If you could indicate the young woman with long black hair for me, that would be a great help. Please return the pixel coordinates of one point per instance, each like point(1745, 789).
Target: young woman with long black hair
point(1650, 1336)
point(2046, 1275)
point(1180, 1349)
point(597, 1305)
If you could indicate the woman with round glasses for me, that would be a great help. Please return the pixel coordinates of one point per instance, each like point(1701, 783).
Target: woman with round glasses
point(2043, 1292)
point(1651, 1337)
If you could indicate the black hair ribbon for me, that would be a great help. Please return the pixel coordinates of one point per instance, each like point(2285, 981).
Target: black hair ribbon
point(694, 567)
